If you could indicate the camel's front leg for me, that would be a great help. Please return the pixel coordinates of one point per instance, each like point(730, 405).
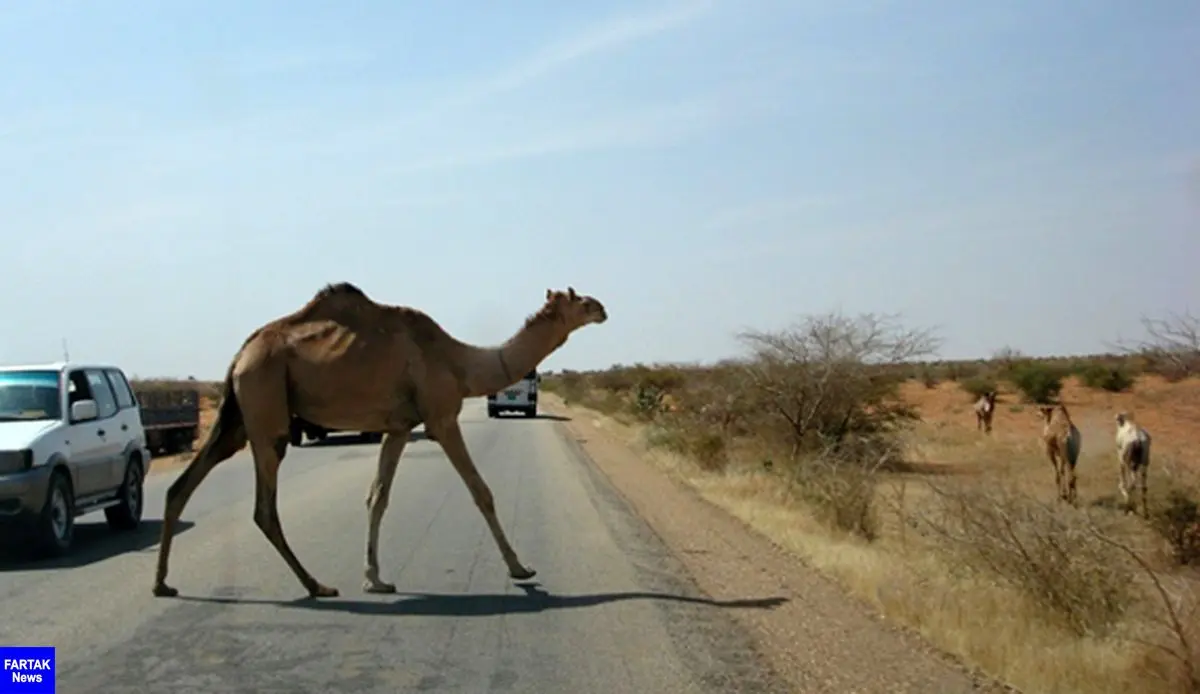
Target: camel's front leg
point(377, 501)
point(450, 437)
point(1124, 484)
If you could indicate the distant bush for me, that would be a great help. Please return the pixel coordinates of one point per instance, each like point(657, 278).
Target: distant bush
point(1114, 379)
point(976, 386)
point(1039, 383)
point(927, 374)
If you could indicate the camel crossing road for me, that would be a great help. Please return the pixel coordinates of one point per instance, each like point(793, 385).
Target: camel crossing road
point(609, 610)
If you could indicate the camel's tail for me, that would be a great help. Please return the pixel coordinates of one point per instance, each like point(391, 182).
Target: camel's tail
point(228, 434)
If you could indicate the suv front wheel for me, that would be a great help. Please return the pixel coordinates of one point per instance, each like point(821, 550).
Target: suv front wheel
point(128, 513)
point(56, 523)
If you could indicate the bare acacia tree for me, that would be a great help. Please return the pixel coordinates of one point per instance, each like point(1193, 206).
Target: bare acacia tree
point(1171, 345)
point(832, 381)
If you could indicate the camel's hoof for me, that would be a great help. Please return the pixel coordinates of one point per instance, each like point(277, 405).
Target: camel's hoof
point(163, 590)
point(522, 574)
point(323, 592)
point(379, 587)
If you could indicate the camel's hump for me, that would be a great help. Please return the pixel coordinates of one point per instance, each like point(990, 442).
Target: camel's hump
point(339, 289)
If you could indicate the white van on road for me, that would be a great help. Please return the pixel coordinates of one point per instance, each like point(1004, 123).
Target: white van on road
point(519, 397)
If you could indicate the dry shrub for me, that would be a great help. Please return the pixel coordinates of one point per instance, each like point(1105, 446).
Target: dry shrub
point(1177, 519)
point(1171, 347)
point(1051, 554)
point(708, 449)
point(818, 383)
point(840, 492)
point(1086, 574)
point(827, 391)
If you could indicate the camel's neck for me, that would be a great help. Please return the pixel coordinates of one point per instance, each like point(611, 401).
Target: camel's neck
point(490, 369)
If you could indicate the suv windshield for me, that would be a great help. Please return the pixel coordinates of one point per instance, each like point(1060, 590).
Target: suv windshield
point(29, 395)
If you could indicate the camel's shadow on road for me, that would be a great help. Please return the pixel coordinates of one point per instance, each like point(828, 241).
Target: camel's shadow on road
point(534, 599)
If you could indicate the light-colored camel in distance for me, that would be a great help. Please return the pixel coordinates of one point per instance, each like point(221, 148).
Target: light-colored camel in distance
point(985, 409)
point(343, 361)
point(1133, 455)
point(1062, 440)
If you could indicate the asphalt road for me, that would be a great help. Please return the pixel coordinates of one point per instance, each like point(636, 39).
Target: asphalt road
point(610, 610)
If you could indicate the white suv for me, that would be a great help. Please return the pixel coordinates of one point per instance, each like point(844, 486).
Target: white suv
point(71, 442)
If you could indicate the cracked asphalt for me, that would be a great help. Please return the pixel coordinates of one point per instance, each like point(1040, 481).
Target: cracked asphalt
point(610, 610)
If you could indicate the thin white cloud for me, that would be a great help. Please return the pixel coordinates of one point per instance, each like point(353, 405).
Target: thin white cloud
point(603, 37)
point(658, 126)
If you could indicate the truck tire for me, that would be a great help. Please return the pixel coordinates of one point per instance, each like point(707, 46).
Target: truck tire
point(531, 411)
point(128, 514)
point(492, 412)
point(55, 529)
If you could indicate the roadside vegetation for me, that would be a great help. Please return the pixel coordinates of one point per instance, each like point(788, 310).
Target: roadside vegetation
point(841, 439)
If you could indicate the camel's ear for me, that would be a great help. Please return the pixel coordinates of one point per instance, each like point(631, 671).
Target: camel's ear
point(549, 293)
point(571, 293)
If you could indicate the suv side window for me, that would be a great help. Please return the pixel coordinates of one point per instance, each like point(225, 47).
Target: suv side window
point(121, 387)
point(106, 402)
point(77, 389)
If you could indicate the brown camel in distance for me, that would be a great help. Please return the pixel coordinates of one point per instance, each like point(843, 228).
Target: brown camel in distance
point(1062, 442)
point(343, 361)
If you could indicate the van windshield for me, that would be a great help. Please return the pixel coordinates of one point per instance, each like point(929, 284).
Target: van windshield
point(29, 395)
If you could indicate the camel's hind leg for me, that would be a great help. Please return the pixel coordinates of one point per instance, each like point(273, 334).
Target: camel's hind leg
point(227, 437)
point(262, 391)
point(377, 502)
point(1142, 476)
point(1071, 496)
point(267, 457)
point(1058, 476)
point(450, 437)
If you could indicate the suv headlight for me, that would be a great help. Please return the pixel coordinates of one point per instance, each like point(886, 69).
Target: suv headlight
point(15, 461)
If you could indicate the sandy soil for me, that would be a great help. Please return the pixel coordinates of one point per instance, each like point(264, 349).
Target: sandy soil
point(1169, 411)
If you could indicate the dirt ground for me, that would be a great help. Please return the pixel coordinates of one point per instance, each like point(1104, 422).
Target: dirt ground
point(947, 441)
point(1169, 411)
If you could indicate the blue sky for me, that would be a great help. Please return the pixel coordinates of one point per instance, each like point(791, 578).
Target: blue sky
point(175, 174)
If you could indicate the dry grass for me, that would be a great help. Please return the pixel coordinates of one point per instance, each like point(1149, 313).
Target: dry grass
point(963, 540)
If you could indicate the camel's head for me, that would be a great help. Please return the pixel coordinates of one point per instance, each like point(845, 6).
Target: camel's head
point(577, 310)
point(1046, 412)
point(1121, 418)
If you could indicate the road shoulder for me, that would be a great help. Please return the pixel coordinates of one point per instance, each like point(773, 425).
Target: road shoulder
point(820, 639)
